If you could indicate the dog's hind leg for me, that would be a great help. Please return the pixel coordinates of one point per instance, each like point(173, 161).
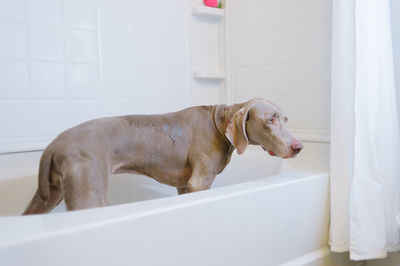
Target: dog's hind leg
point(39, 206)
point(85, 186)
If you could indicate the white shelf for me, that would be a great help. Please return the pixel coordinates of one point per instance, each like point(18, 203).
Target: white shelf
point(209, 75)
point(210, 12)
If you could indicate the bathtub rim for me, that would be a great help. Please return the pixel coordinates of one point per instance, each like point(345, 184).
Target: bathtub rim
point(47, 226)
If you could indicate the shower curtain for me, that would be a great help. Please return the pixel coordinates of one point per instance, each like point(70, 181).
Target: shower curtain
point(365, 139)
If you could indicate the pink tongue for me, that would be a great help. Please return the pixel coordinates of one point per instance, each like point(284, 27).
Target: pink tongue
point(271, 153)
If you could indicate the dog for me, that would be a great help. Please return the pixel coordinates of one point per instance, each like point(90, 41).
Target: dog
point(184, 149)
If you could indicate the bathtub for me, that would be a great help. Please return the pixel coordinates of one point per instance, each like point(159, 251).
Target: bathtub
point(260, 211)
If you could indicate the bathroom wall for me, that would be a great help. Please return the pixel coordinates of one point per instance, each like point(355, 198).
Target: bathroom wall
point(280, 50)
point(67, 61)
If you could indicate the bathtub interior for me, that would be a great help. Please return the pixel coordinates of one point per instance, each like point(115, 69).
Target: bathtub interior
point(16, 189)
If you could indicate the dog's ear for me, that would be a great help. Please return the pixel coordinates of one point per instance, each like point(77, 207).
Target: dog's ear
point(236, 130)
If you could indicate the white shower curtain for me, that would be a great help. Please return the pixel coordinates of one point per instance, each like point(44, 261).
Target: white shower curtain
point(365, 139)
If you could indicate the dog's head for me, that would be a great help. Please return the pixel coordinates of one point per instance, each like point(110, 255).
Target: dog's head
point(262, 123)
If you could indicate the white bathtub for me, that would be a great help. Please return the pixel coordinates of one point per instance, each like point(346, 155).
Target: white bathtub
point(259, 212)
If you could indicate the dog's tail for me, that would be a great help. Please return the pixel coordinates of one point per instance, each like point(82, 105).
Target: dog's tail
point(44, 174)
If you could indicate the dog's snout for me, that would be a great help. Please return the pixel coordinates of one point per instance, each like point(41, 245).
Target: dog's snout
point(297, 146)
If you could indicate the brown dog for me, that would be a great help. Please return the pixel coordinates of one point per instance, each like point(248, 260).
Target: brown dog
point(185, 149)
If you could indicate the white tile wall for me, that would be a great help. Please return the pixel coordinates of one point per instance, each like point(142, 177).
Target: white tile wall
point(117, 82)
point(47, 80)
point(47, 118)
point(13, 39)
point(281, 51)
point(83, 80)
point(117, 14)
point(15, 77)
point(170, 53)
point(83, 110)
point(81, 46)
point(13, 119)
point(80, 13)
point(244, 55)
point(73, 60)
point(45, 42)
point(45, 11)
point(116, 47)
point(243, 14)
point(12, 10)
point(63, 62)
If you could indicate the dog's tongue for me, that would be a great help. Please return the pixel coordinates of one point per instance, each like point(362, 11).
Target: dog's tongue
point(269, 152)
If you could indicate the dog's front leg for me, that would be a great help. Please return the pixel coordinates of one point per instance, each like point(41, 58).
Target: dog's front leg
point(183, 190)
point(201, 179)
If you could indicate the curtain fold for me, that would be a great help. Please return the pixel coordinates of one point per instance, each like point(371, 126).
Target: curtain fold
point(365, 136)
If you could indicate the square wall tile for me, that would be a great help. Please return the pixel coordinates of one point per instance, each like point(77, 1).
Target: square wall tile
point(81, 46)
point(291, 79)
point(243, 83)
point(203, 44)
point(308, 77)
point(112, 107)
point(203, 94)
point(80, 13)
point(267, 80)
point(46, 42)
point(172, 52)
point(243, 14)
point(116, 14)
point(145, 82)
point(48, 118)
point(83, 110)
point(306, 112)
point(115, 47)
point(13, 40)
point(117, 82)
point(319, 12)
point(243, 52)
point(14, 79)
point(171, 84)
point(47, 80)
point(171, 20)
point(166, 106)
point(305, 13)
point(159, 83)
point(157, 106)
point(308, 43)
point(15, 125)
point(318, 108)
point(45, 11)
point(12, 9)
point(145, 23)
point(83, 81)
point(268, 16)
point(146, 51)
point(268, 49)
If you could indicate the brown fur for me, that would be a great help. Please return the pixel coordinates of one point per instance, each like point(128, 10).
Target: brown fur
point(184, 149)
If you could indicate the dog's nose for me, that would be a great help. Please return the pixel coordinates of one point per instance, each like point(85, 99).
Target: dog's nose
point(297, 146)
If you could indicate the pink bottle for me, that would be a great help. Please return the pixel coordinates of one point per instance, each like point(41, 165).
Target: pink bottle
point(211, 3)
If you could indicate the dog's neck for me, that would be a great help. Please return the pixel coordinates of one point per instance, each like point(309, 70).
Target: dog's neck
point(223, 116)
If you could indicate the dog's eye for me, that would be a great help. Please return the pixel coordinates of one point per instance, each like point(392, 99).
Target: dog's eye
point(270, 121)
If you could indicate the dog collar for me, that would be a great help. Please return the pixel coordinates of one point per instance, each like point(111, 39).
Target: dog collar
point(227, 117)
